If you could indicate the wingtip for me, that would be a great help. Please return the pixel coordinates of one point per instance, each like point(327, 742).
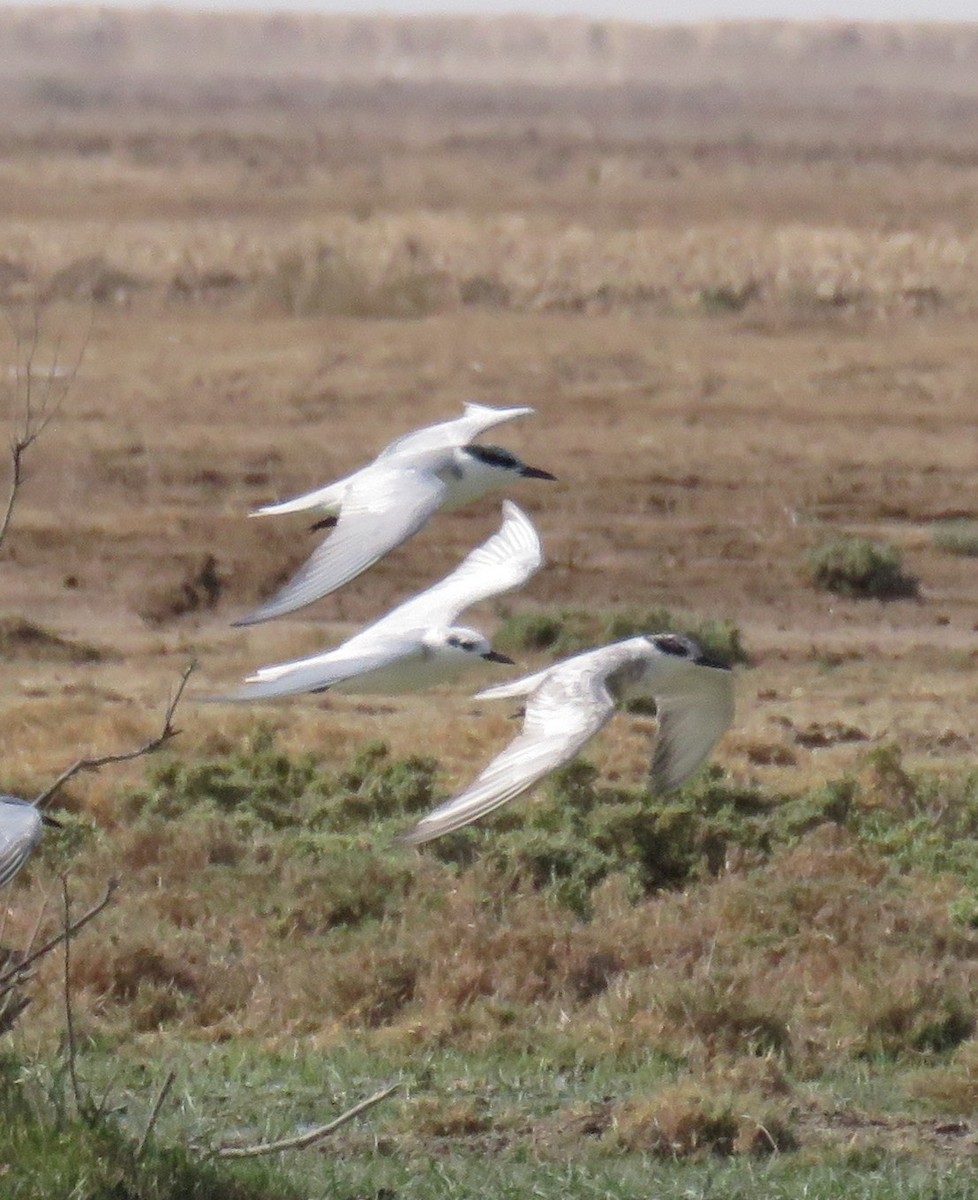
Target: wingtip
point(410, 837)
point(242, 622)
point(472, 407)
point(265, 612)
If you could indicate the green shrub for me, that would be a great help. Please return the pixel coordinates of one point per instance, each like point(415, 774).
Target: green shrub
point(263, 785)
point(861, 569)
point(581, 832)
point(316, 843)
point(255, 779)
point(957, 537)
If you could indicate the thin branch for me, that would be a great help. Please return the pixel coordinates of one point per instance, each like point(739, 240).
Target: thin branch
point(69, 1015)
point(93, 764)
point(16, 479)
point(160, 1101)
point(306, 1139)
point(36, 414)
point(99, 1111)
point(36, 931)
point(12, 976)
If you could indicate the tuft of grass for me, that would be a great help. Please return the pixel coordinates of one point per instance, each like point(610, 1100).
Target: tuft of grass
point(727, 298)
point(685, 1121)
point(957, 537)
point(330, 282)
point(861, 569)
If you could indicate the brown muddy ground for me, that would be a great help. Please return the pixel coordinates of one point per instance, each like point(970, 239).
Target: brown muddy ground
point(723, 378)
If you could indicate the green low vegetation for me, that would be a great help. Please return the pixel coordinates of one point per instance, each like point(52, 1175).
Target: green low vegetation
point(957, 537)
point(48, 1148)
point(861, 570)
point(593, 989)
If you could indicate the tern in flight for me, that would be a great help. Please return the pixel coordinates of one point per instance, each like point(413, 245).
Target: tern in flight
point(382, 505)
point(21, 826)
point(417, 645)
point(568, 703)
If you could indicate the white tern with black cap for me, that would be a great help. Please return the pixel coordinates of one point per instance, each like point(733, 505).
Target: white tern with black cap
point(417, 645)
point(568, 703)
point(379, 507)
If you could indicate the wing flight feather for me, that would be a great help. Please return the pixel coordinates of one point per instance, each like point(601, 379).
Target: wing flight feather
point(379, 513)
point(562, 715)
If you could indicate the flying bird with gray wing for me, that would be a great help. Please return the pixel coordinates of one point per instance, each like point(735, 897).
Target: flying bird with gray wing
point(418, 644)
point(21, 826)
point(570, 702)
point(380, 506)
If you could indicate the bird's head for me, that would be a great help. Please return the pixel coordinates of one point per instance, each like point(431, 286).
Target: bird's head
point(500, 464)
point(680, 648)
point(463, 645)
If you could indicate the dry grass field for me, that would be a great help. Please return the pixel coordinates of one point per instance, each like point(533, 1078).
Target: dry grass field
point(746, 319)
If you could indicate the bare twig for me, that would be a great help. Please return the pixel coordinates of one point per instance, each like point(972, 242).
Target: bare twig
point(93, 764)
point(98, 1112)
point(35, 412)
point(69, 1015)
point(306, 1139)
point(13, 975)
point(36, 931)
point(154, 1114)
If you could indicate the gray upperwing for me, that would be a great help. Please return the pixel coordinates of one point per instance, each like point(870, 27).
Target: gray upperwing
point(691, 722)
point(383, 510)
point(20, 830)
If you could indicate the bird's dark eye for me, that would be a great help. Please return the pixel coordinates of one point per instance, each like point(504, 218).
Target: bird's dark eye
point(494, 456)
point(673, 645)
point(453, 641)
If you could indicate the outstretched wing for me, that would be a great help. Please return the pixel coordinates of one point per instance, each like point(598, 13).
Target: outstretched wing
point(567, 709)
point(692, 719)
point(380, 511)
point(322, 671)
point(505, 561)
point(476, 419)
point(20, 830)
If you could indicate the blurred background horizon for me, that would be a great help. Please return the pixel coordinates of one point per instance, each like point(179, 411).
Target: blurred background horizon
point(666, 12)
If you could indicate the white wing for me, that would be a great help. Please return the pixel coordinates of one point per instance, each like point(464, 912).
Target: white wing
point(458, 432)
point(505, 561)
point(380, 510)
point(515, 687)
point(322, 671)
point(325, 499)
point(20, 831)
point(567, 709)
point(691, 721)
